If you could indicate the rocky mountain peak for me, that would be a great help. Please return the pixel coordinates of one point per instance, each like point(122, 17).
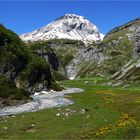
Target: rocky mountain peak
point(69, 26)
point(71, 16)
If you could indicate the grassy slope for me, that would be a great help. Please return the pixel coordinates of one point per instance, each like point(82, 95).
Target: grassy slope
point(105, 116)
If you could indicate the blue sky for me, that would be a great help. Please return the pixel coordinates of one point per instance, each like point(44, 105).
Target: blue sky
point(25, 16)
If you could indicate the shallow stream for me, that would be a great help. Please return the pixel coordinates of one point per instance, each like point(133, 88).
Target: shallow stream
point(42, 100)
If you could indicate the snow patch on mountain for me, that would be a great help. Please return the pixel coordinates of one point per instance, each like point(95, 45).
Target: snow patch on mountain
point(69, 26)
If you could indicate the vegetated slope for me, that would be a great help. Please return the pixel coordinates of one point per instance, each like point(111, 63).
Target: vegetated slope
point(21, 67)
point(131, 69)
point(117, 54)
point(120, 45)
point(69, 26)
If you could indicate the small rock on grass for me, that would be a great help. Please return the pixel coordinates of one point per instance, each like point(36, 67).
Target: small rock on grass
point(88, 116)
point(58, 114)
point(33, 125)
point(66, 114)
point(5, 128)
point(68, 109)
point(84, 110)
point(86, 82)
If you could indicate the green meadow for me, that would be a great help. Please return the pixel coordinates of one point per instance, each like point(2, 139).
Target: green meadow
point(99, 112)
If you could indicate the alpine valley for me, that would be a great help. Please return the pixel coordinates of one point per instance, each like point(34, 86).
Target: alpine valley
point(81, 50)
point(72, 52)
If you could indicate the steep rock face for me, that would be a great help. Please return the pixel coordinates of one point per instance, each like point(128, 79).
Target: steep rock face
point(126, 50)
point(43, 50)
point(116, 56)
point(69, 26)
point(84, 62)
point(19, 64)
point(72, 58)
point(58, 53)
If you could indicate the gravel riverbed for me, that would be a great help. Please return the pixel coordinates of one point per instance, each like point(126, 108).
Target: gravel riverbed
point(42, 100)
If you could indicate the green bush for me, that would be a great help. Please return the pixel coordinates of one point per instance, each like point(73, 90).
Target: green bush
point(8, 89)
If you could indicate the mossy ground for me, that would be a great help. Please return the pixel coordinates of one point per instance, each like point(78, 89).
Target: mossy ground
point(110, 112)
